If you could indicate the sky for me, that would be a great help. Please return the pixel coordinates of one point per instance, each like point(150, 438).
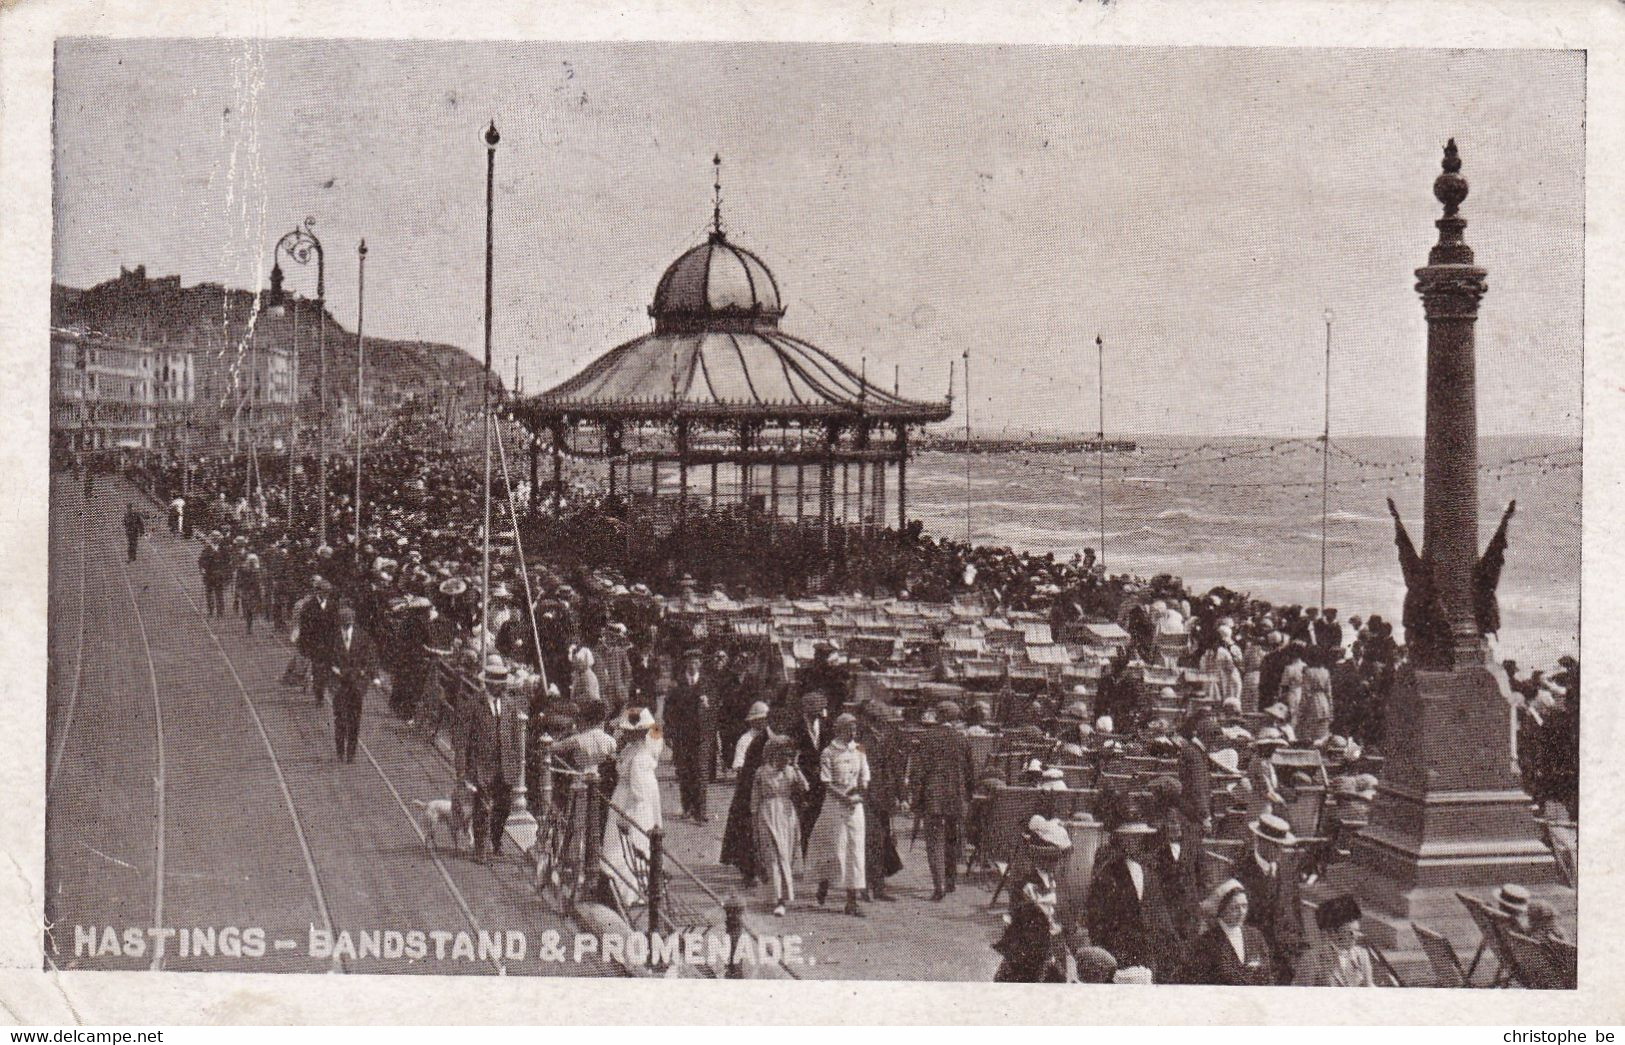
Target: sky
point(1198, 209)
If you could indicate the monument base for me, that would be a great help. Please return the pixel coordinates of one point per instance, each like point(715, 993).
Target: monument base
point(1449, 815)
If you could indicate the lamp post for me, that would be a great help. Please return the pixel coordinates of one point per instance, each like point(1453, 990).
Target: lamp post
point(299, 245)
point(360, 379)
point(521, 822)
point(1325, 459)
point(1100, 441)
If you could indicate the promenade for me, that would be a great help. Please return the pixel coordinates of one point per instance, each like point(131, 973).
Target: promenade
point(913, 938)
point(188, 789)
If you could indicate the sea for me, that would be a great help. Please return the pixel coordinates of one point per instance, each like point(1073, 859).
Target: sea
point(1247, 514)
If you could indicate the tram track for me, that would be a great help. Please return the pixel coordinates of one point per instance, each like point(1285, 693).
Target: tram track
point(159, 784)
point(314, 875)
point(65, 726)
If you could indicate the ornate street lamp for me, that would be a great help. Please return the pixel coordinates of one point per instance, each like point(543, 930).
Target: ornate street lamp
point(299, 245)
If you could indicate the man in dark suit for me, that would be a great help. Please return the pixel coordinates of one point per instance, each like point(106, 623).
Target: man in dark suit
point(354, 670)
point(481, 758)
point(1328, 633)
point(1270, 668)
point(884, 748)
point(942, 781)
point(1271, 881)
point(1127, 912)
point(691, 724)
point(1177, 856)
point(134, 527)
point(811, 734)
point(316, 624)
point(1195, 773)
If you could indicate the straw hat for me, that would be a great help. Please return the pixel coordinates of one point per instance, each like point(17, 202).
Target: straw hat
point(453, 586)
point(1512, 899)
point(757, 713)
point(637, 719)
point(1046, 836)
point(1103, 724)
point(496, 669)
point(1278, 711)
point(1272, 828)
point(1227, 760)
point(1269, 736)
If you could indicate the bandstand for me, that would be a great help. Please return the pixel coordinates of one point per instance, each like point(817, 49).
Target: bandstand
point(719, 406)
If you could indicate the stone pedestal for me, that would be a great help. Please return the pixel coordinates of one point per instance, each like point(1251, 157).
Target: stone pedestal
point(1449, 816)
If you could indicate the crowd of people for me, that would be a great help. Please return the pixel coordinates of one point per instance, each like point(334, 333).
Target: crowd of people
point(582, 649)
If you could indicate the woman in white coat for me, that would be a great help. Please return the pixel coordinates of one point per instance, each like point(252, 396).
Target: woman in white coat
point(636, 800)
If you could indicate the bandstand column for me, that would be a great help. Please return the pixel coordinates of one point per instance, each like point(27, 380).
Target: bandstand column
point(902, 476)
point(558, 469)
point(535, 458)
point(1449, 814)
point(863, 504)
point(801, 486)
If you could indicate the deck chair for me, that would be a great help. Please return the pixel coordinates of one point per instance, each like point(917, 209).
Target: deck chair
point(1563, 839)
point(1532, 964)
point(1076, 776)
point(1489, 922)
point(1008, 810)
point(1447, 971)
point(1304, 811)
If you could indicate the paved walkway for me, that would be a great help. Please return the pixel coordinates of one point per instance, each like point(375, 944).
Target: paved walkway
point(911, 939)
point(188, 789)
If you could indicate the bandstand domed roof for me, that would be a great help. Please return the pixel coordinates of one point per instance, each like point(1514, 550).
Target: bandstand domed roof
point(717, 352)
point(716, 279)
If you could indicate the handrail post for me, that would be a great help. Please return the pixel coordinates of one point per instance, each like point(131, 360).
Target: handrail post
point(733, 922)
point(595, 834)
point(578, 827)
point(544, 776)
point(657, 853)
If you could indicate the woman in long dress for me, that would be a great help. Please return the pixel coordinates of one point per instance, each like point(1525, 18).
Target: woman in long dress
point(774, 796)
point(1314, 711)
point(636, 800)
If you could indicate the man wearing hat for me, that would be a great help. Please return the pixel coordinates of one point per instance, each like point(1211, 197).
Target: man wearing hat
point(1128, 912)
point(482, 756)
point(691, 726)
point(942, 783)
point(1195, 777)
point(882, 743)
point(1034, 944)
point(615, 666)
point(354, 667)
point(315, 641)
point(1177, 855)
point(1271, 879)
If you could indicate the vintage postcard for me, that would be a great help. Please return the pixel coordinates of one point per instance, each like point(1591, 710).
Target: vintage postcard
point(1091, 508)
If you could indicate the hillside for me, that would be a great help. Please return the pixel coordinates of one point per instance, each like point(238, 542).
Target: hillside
point(215, 322)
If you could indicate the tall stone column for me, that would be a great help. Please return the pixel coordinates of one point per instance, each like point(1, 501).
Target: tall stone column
point(1450, 814)
point(1451, 286)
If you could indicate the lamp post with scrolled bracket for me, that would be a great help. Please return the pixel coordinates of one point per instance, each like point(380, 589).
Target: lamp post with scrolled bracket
point(299, 245)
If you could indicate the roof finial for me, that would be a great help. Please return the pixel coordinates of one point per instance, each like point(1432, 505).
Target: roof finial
point(716, 198)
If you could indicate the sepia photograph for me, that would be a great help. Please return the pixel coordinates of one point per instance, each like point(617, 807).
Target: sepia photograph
point(816, 511)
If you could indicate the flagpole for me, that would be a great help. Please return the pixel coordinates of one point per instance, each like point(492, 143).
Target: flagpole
point(491, 139)
point(1325, 460)
point(1100, 443)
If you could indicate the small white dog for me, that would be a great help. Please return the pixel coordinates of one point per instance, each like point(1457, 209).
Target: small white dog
point(454, 815)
